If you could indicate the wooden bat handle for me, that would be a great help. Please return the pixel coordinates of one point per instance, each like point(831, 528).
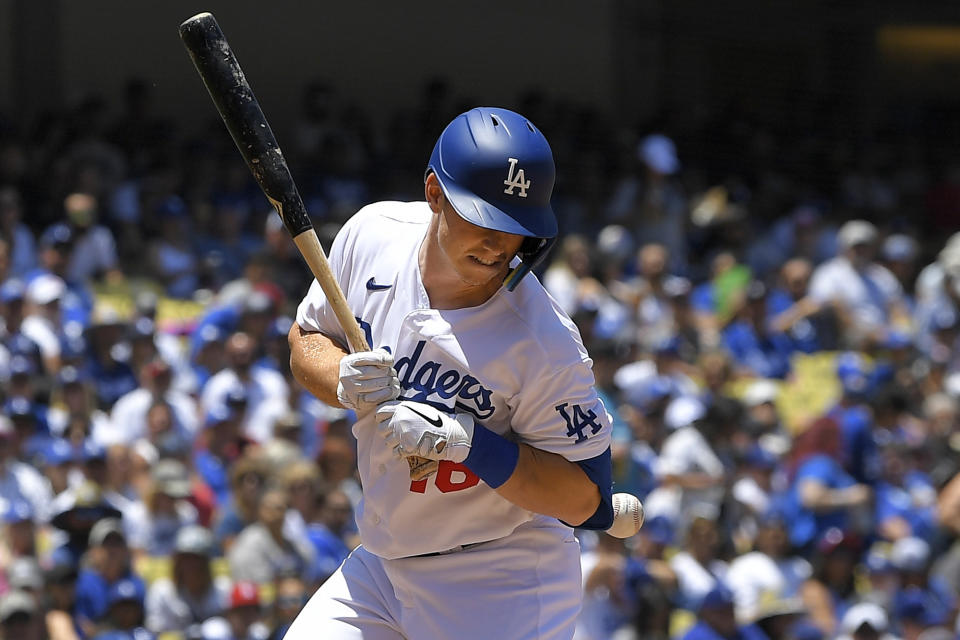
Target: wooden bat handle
point(309, 245)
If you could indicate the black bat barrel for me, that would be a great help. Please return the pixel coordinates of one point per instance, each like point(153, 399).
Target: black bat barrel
point(244, 118)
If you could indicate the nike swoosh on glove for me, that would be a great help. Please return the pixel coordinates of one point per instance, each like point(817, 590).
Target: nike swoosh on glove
point(367, 378)
point(417, 429)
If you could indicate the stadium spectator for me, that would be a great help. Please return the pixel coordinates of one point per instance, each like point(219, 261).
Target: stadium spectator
point(807, 322)
point(607, 602)
point(868, 296)
point(20, 481)
point(94, 254)
point(24, 574)
point(107, 361)
point(262, 551)
point(172, 261)
point(304, 485)
point(20, 245)
point(56, 251)
point(822, 495)
point(291, 595)
point(763, 421)
point(20, 617)
point(217, 448)
point(688, 468)
point(333, 532)
point(125, 611)
point(162, 429)
point(109, 577)
point(656, 295)
point(830, 593)
point(570, 279)
point(761, 351)
point(242, 617)
point(75, 511)
point(698, 566)
point(72, 402)
point(905, 497)
point(716, 619)
point(337, 461)
point(167, 510)
point(284, 259)
point(43, 322)
point(208, 357)
point(130, 412)
point(927, 599)
point(899, 253)
point(247, 480)
point(865, 621)
point(267, 392)
point(192, 594)
point(769, 569)
point(18, 535)
point(60, 581)
point(649, 203)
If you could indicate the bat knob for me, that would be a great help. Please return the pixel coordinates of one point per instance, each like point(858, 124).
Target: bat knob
point(200, 23)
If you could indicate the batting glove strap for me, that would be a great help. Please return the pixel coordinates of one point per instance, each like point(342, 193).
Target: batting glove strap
point(492, 457)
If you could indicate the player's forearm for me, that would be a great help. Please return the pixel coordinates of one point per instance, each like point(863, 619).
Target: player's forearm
point(315, 363)
point(550, 484)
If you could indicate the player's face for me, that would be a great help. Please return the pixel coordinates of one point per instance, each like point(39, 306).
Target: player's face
point(480, 256)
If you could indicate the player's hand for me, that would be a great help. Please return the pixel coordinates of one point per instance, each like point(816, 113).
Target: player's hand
point(367, 378)
point(417, 429)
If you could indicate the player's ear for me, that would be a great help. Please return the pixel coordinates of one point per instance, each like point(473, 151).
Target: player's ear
point(433, 193)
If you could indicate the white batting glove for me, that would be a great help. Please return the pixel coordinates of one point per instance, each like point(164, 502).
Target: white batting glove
point(367, 378)
point(417, 429)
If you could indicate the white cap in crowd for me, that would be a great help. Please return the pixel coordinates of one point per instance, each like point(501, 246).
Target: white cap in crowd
point(910, 554)
point(45, 288)
point(760, 392)
point(856, 232)
point(683, 411)
point(865, 613)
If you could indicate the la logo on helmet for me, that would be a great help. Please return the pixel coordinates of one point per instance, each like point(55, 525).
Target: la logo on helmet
point(515, 180)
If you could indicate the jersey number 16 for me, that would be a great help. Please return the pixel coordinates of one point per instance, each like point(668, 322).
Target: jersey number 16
point(450, 476)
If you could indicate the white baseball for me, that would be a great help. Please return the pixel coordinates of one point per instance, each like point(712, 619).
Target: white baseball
point(627, 515)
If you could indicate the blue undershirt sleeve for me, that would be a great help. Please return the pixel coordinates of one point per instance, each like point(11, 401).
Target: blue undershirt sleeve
point(600, 472)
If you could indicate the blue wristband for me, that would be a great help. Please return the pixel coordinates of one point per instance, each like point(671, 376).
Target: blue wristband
point(492, 457)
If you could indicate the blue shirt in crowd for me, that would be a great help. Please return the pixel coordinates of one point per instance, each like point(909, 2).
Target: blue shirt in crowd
point(859, 446)
point(803, 333)
point(806, 525)
point(92, 590)
point(331, 549)
point(894, 501)
point(767, 356)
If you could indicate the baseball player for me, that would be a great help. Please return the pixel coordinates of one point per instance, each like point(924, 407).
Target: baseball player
point(472, 365)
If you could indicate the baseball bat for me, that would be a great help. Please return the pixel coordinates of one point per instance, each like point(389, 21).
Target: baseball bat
point(241, 113)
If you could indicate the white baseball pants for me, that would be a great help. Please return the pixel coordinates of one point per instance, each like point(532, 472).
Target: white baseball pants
point(524, 586)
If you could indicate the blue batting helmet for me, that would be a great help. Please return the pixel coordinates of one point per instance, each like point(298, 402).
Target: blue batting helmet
point(497, 171)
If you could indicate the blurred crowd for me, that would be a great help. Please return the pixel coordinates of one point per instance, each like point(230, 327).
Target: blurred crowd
point(163, 474)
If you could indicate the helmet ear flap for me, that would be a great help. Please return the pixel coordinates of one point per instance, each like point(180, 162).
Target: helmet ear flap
point(531, 253)
point(535, 249)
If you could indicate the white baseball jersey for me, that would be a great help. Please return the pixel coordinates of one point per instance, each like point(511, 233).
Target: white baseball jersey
point(516, 363)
